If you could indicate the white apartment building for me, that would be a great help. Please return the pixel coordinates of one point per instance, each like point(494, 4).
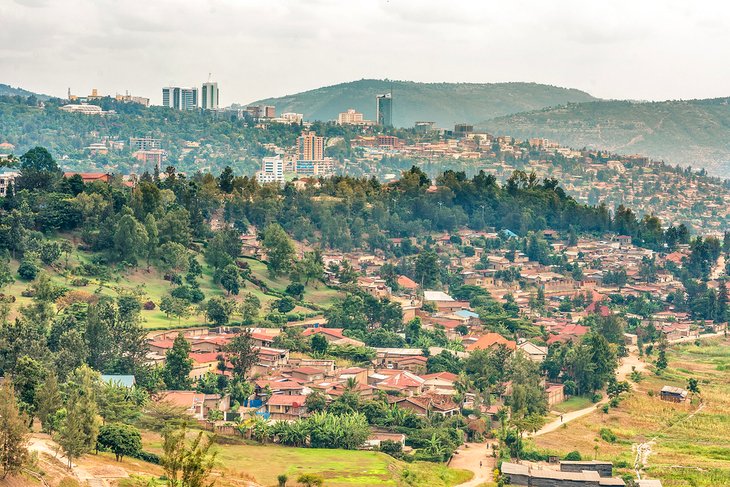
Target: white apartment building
point(209, 98)
point(6, 179)
point(272, 170)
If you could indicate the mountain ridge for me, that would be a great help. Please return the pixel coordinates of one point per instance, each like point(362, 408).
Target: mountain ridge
point(443, 103)
point(686, 132)
point(7, 90)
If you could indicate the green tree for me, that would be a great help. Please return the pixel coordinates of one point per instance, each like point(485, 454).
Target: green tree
point(225, 180)
point(319, 343)
point(315, 402)
point(242, 353)
point(218, 310)
point(176, 307)
point(427, 269)
point(121, 439)
point(6, 277)
point(230, 279)
point(310, 480)
point(250, 308)
point(14, 433)
point(48, 400)
point(38, 170)
point(178, 365)
point(81, 427)
point(187, 463)
point(131, 239)
point(153, 238)
point(279, 249)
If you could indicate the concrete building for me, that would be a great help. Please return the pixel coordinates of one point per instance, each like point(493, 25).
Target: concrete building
point(209, 99)
point(352, 117)
point(82, 108)
point(144, 143)
point(310, 147)
point(578, 474)
point(127, 98)
point(7, 178)
point(180, 98)
point(290, 117)
point(384, 110)
point(272, 170)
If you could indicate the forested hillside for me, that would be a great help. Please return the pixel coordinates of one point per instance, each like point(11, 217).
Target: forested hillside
point(693, 132)
point(443, 103)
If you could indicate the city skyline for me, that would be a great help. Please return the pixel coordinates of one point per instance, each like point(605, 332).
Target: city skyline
point(623, 50)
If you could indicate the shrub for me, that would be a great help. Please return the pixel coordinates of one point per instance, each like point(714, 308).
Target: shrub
point(573, 456)
point(149, 305)
point(80, 282)
point(596, 397)
point(605, 408)
point(28, 269)
point(392, 448)
point(310, 480)
point(608, 435)
point(615, 402)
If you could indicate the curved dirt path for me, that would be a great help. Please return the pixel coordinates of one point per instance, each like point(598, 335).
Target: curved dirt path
point(628, 364)
point(470, 454)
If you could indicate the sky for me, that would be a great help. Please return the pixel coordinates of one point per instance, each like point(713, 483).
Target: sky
point(637, 49)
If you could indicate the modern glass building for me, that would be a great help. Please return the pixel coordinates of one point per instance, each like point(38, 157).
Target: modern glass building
point(180, 98)
point(384, 110)
point(209, 96)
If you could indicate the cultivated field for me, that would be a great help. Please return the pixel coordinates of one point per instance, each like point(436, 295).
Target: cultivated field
point(686, 449)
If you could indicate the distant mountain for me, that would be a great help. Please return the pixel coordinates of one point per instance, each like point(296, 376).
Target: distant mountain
point(693, 132)
point(7, 90)
point(443, 103)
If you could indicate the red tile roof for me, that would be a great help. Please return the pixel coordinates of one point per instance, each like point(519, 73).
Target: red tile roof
point(286, 400)
point(489, 340)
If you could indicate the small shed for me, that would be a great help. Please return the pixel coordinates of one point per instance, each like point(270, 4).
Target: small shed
point(673, 394)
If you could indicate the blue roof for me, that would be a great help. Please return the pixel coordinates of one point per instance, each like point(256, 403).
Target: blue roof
point(466, 313)
point(121, 380)
point(509, 233)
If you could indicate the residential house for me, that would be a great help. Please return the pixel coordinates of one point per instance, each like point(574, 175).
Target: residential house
point(283, 407)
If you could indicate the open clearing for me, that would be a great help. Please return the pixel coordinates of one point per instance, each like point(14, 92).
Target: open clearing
point(340, 468)
point(687, 451)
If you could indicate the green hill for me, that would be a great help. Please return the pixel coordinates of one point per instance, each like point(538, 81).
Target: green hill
point(7, 90)
point(443, 103)
point(693, 132)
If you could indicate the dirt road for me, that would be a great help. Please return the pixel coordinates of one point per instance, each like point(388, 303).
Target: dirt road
point(469, 457)
point(628, 364)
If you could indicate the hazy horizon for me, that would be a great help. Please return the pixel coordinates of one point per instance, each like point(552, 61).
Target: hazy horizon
point(255, 50)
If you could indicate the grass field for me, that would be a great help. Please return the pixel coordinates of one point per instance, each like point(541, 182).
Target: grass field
point(316, 293)
point(575, 403)
point(687, 451)
point(340, 468)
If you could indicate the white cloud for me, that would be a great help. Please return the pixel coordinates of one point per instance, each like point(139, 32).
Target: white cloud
point(620, 49)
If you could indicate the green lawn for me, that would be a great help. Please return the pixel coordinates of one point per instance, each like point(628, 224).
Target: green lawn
point(316, 293)
point(575, 403)
point(340, 468)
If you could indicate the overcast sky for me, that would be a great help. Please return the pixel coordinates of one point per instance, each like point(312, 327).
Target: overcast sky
point(638, 49)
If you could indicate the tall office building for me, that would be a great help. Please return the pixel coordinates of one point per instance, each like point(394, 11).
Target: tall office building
point(310, 147)
point(209, 96)
point(180, 98)
point(384, 110)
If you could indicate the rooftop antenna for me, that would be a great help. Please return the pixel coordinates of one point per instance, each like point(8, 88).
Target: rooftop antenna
point(209, 75)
